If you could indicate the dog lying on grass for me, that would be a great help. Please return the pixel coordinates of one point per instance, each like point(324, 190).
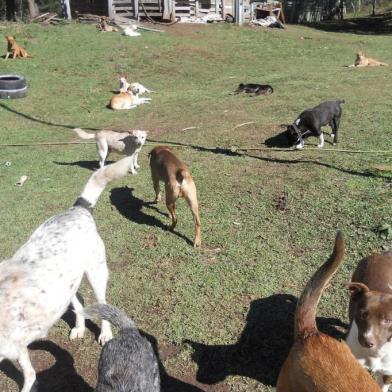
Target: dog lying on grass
point(166, 167)
point(128, 362)
point(104, 26)
point(127, 100)
point(128, 143)
point(317, 362)
point(41, 279)
point(363, 61)
point(255, 89)
point(14, 50)
point(310, 121)
point(124, 86)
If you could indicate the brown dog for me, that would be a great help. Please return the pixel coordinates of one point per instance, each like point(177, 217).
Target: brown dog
point(14, 49)
point(317, 362)
point(104, 26)
point(166, 167)
point(363, 61)
point(371, 316)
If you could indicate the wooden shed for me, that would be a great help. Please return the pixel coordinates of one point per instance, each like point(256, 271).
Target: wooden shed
point(299, 11)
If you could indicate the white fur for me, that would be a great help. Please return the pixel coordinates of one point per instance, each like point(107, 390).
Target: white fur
point(376, 360)
point(140, 88)
point(300, 145)
point(124, 85)
point(41, 279)
point(129, 143)
point(321, 144)
point(131, 32)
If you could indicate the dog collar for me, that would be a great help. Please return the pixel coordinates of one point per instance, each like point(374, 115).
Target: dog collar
point(82, 202)
point(298, 132)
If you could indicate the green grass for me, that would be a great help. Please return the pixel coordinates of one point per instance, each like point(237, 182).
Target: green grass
point(231, 298)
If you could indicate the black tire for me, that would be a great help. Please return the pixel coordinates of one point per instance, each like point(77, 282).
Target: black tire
point(12, 86)
point(13, 94)
point(12, 82)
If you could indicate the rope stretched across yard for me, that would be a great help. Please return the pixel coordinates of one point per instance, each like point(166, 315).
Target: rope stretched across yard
point(232, 149)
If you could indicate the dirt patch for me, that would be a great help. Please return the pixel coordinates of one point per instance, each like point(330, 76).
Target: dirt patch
point(281, 202)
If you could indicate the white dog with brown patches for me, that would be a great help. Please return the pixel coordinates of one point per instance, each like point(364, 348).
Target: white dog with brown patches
point(41, 279)
point(128, 143)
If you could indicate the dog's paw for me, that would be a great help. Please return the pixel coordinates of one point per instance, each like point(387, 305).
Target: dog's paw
point(320, 145)
point(77, 333)
point(197, 243)
point(104, 337)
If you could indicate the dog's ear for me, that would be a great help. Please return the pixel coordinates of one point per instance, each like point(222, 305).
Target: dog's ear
point(356, 289)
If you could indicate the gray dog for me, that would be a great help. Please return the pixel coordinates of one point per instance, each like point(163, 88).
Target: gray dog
point(128, 362)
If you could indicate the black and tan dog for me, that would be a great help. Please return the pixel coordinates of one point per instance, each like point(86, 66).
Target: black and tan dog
point(255, 89)
point(310, 121)
point(166, 167)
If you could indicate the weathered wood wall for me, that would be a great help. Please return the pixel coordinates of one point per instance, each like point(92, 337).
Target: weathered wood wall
point(298, 11)
point(97, 7)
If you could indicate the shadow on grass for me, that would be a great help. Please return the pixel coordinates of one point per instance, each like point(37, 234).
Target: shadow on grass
point(131, 208)
point(61, 377)
point(34, 119)
point(377, 25)
point(274, 142)
point(90, 165)
point(168, 383)
point(263, 345)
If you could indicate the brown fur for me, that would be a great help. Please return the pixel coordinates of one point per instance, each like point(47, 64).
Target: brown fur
point(317, 362)
point(103, 26)
point(14, 49)
point(371, 299)
point(363, 61)
point(127, 100)
point(166, 167)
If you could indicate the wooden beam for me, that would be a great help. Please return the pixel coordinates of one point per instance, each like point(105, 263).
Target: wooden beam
point(110, 9)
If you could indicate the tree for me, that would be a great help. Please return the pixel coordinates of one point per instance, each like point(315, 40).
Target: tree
point(33, 8)
point(10, 10)
point(374, 7)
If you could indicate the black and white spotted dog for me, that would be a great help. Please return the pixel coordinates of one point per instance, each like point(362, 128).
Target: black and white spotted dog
point(128, 362)
point(255, 89)
point(41, 279)
point(310, 121)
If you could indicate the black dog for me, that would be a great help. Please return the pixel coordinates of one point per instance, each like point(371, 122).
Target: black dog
point(128, 362)
point(256, 89)
point(310, 121)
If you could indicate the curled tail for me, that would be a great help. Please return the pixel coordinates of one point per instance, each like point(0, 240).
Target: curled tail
point(83, 134)
point(110, 313)
point(98, 181)
point(305, 314)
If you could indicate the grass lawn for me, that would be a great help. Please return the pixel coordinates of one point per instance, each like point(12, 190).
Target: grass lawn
point(220, 316)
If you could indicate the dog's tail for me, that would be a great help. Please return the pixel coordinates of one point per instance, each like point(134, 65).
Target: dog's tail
point(110, 313)
point(98, 181)
point(182, 176)
point(305, 314)
point(83, 134)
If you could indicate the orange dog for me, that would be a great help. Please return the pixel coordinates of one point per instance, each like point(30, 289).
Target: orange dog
point(317, 362)
point(14, 49)
point(166, 167)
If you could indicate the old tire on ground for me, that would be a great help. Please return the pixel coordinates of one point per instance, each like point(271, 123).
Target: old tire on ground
point(12, 86)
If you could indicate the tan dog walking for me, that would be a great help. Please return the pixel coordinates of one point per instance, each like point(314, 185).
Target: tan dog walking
point(14, 49)
point(166, 167)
